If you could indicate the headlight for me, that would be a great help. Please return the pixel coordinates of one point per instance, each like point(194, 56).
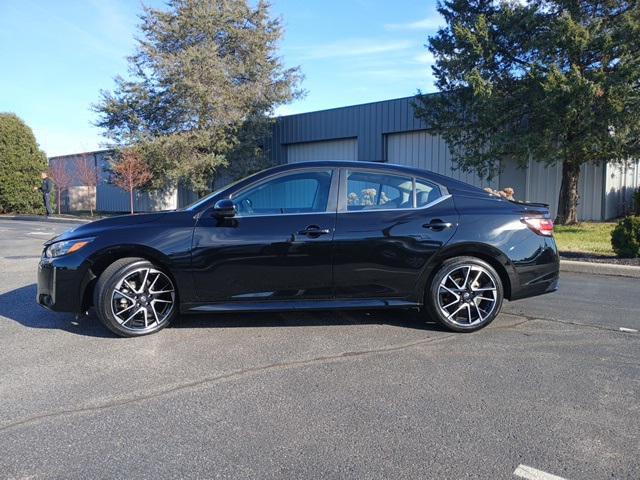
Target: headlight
point(66, 246)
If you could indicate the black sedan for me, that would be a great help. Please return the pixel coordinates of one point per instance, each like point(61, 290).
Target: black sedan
point(317, 235)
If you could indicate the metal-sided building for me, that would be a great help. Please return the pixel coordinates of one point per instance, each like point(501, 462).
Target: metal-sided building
point(388, 131)
point(107, 197)
point(385, 131)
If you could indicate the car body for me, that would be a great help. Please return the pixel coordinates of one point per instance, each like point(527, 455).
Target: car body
point(313, 235)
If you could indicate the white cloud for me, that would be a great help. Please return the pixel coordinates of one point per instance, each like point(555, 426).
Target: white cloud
point(428, 23)
point(391, 74)
point(352, 48)
point(290, 109)
point(425, 58)
point(116, 23)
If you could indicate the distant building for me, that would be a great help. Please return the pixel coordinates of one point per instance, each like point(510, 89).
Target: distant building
point(107, 196)
point(388, 131)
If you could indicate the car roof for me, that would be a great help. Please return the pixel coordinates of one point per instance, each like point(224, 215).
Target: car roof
point(450, 183)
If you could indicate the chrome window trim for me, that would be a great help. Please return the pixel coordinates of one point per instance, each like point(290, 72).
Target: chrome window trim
point(414, 194)
point(324, 212)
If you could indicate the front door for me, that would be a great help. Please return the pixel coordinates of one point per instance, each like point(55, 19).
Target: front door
point(277, 247)
point(388, 227)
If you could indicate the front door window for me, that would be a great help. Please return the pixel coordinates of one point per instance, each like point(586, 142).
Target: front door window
point(305, 192)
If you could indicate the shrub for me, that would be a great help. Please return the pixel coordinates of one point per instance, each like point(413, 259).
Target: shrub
point(625, 238)
point(21, 162)
point(636, 201)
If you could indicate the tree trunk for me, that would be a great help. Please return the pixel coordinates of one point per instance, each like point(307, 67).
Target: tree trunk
point(58, 201)
point(131, 199)
point(568, 199)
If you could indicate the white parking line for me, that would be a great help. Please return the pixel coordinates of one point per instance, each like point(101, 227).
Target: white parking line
point(628, 330)
point(530, 473)
point(41, 233)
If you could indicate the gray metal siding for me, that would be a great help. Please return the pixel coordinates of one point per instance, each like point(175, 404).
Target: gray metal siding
point(368, 123)
point(621, 182)
point(344, 149)
point(113, 199)
point(429, 152)
point(543, 185)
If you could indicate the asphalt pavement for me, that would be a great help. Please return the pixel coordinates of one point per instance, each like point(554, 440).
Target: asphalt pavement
point(552, 386)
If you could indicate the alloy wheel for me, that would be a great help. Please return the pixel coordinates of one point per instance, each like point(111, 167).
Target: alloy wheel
point(467, 295)
point(143, 299)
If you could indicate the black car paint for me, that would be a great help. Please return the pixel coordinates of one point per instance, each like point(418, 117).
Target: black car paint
point(373, 258)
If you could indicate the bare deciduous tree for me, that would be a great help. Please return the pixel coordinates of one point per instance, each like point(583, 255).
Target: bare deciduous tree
point(63, 178)
point(131, 172)
point(87, 173)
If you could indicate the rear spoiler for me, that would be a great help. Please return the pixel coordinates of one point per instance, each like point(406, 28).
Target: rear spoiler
point(496, 194)
point(530, 204)
point(533, 208)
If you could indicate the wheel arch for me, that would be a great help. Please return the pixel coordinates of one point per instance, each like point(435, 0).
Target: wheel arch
point(100, 260)
point(488, 253)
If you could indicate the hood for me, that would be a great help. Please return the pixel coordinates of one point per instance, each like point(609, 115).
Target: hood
point(95, 228)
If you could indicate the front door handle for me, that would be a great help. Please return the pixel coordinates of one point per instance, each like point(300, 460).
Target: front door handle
point(314, 231)
point(437, 225)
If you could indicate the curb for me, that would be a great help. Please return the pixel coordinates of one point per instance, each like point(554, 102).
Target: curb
point(37, 218)
point(593, 268)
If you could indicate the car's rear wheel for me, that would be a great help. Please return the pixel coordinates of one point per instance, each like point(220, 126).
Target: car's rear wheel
point(134, 297)
point(465, 294)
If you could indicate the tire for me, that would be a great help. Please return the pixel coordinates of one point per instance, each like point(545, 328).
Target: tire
point(126, 306)
point(465, 294)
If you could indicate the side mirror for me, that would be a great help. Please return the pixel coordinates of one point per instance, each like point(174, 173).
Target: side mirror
point(224, 208)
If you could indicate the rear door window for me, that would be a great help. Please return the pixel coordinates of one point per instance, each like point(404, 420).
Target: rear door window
point(426, 192)
point(376, 191)
point(372, 191)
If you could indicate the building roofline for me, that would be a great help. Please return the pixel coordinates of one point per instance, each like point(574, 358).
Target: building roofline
point(355, 105)
point(91, 152)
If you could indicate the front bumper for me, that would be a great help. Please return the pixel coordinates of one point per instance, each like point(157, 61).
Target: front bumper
point(60, 288)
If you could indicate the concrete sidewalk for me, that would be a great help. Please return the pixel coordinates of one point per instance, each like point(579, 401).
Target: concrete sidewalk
point(593, 268)
point(51, 219)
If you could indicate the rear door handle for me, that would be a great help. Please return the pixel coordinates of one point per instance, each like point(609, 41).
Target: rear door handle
point(437, 225)
point(314, 231)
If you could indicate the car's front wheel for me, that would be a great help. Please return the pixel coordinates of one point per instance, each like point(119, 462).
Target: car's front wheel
point(465, 294)
point(134, 297)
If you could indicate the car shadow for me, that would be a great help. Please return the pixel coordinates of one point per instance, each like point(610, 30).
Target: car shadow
point(20, 306)
point(324, 318)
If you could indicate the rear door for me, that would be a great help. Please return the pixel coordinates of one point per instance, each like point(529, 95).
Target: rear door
point(388, 226)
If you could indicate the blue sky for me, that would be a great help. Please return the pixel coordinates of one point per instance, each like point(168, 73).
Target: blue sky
point(57, 56)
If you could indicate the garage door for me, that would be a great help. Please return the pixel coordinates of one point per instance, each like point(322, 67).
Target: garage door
point(429, 152)
point(345, 149)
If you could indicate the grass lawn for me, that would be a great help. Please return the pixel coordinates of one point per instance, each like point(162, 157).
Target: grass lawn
point(592, 238)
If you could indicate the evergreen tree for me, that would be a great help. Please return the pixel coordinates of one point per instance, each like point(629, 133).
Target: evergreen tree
point(553, 81)
point(203, 70)
point(21, 163)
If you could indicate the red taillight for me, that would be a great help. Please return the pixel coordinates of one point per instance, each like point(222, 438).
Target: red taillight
point(542, 226)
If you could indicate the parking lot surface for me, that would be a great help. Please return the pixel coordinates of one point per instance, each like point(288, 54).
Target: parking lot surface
point(552, 384)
